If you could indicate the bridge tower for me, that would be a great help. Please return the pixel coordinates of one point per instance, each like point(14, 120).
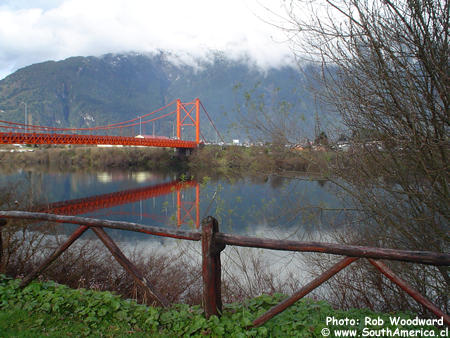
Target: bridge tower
point(185, 112)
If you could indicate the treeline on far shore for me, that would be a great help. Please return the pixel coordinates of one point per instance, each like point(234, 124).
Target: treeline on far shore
point(213, 159)
point(79, 157)
point(259, 159)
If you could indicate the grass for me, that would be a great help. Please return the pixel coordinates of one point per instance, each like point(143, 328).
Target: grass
point(48, 309)
point(21, 323)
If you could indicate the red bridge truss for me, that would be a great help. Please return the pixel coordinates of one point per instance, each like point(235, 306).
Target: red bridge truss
point(126, 133)
point(34, 138)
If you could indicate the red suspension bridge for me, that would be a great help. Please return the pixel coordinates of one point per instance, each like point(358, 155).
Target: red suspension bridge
point(126, 133)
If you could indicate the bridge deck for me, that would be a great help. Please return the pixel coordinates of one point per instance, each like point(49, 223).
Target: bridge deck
point(41, 138)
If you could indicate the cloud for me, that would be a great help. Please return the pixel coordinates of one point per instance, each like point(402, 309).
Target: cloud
point(54, 30)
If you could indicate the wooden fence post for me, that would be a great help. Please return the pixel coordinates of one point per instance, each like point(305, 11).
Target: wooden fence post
point(211, 268)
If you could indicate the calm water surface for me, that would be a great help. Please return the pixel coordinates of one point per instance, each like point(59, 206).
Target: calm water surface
point(261, 206)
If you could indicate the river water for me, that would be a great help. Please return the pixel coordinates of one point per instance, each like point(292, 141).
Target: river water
point(265, 206)
point(303, 208)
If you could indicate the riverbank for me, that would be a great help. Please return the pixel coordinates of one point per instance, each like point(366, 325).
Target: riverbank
point(77, 157)
point(208, 160)
point(51, 309)
point(259, 159)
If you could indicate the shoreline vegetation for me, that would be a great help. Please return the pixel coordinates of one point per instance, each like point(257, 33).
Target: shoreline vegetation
point(75, 158)
point(210, 160)
point(51, 309)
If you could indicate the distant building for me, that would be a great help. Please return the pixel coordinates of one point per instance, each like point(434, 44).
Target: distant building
point(236, 142)
point(305, 145)
point(343, 145)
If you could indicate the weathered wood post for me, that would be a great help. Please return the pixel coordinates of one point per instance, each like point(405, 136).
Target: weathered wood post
point(211, 268)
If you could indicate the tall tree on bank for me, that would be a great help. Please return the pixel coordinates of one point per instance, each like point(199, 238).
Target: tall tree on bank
point(385, 69)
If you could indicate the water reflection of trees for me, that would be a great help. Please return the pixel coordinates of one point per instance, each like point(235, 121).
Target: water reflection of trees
point(275, 206)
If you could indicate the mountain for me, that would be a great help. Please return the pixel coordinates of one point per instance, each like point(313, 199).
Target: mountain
point(92, 91)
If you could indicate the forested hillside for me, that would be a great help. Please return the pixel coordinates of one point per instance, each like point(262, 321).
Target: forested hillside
point(89, 91)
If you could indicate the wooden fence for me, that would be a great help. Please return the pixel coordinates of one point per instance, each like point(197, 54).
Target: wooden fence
point(213, 242)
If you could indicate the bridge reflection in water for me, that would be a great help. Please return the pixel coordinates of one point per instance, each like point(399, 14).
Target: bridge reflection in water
point(187, 207)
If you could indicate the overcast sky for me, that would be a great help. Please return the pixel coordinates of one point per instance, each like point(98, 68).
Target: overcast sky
point(33, 31)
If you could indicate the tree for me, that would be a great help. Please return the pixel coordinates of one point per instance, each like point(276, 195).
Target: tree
point(321, 139)
point(385, 69)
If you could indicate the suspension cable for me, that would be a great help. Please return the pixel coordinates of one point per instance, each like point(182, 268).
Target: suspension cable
point(105, 127)
point(212, 123)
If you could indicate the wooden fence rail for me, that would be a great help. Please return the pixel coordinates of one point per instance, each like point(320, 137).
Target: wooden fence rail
point(213, 242)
